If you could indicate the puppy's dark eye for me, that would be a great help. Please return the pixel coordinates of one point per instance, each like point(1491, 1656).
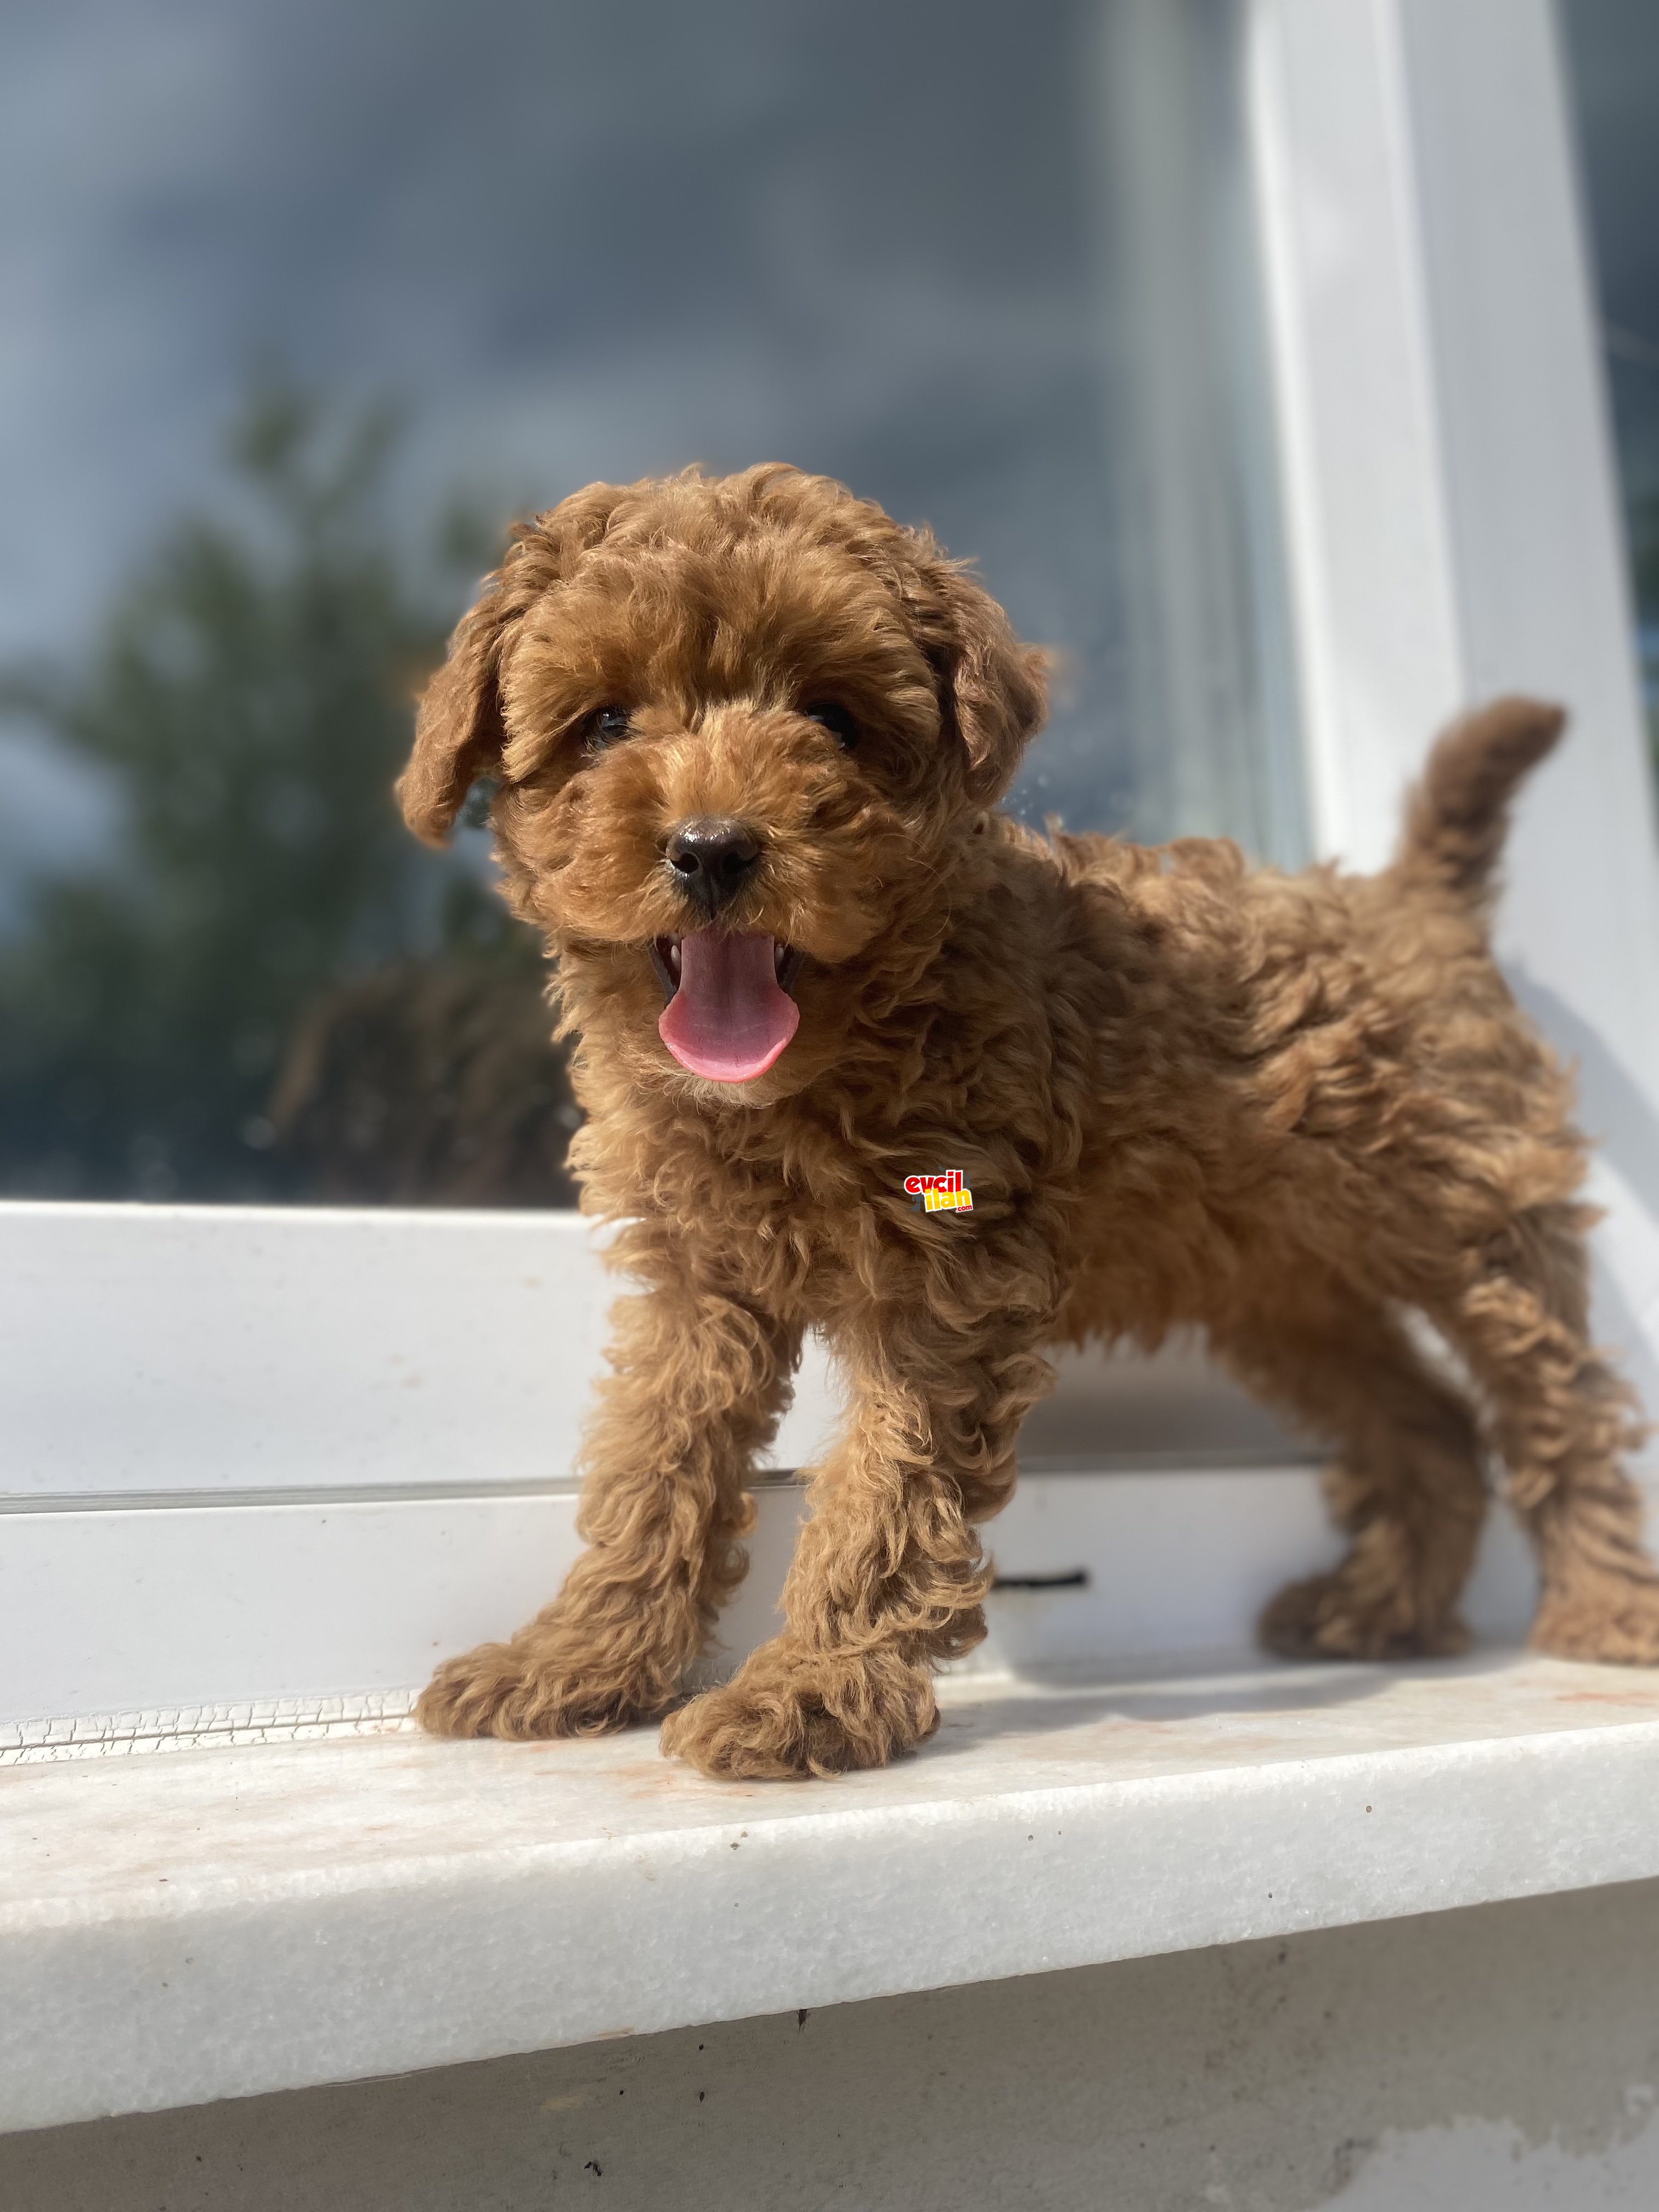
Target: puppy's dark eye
point(605, 725)
point(839, 723)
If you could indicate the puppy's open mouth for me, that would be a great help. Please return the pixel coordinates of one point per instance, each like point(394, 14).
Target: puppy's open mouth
point(729, 1012)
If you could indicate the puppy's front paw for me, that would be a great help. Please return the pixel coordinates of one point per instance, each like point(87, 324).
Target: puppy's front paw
point(505, 1690)
point(787, 1715)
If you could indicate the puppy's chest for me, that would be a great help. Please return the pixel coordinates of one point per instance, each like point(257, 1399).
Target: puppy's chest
point(824, 1213)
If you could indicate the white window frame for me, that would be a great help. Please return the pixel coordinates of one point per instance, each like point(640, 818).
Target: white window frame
point(1449, 510)
point(1452, 517)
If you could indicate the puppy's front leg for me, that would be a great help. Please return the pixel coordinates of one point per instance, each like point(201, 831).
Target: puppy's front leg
point(889, 1577)
point(699, 1380)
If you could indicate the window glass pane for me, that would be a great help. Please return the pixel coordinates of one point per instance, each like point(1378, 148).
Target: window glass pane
point(991, 265)
point(1613, 48)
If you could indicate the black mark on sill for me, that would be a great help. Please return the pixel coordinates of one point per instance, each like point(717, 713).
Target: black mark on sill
point(1077, 1579)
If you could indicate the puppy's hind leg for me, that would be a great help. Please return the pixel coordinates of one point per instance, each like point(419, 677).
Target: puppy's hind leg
point(1563, 1418)
point(699, 1381)
point(1407, 1482)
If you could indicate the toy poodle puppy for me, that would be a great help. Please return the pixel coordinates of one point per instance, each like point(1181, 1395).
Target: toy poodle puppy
point(860, 1054)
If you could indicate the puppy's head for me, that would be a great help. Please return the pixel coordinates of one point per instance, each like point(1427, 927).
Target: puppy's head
point(741, 729)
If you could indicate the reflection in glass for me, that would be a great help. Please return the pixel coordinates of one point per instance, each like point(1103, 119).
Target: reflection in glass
point(993, 267)
point(1612, 50)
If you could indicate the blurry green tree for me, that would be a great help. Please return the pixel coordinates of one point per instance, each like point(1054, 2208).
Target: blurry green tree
point(250, 698)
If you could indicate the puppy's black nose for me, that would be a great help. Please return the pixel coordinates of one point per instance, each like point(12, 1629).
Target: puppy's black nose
point(713, 858)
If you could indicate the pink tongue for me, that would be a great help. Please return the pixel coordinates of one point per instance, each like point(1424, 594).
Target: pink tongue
point(730, 1017)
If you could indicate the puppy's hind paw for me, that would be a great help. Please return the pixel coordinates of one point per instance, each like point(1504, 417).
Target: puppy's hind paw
point(502, 1690)
point(1337, 1616)
point(1611, 1619)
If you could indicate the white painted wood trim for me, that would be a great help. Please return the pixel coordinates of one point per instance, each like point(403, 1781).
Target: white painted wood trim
point(1365, 529)
point(158, 1352)
point(113, 1615)
point(263, 1454)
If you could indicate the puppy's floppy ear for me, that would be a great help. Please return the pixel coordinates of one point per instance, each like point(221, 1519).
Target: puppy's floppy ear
point(994, 690)
point(459, 731)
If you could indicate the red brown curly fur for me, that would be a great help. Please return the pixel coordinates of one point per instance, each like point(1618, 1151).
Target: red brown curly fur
point(1289, 1110)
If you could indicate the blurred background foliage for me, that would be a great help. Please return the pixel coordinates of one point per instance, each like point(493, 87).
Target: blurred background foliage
point(265, 988)
point(1612, 49)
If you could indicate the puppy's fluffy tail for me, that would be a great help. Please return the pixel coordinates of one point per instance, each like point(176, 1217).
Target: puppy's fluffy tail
point(1458, 814)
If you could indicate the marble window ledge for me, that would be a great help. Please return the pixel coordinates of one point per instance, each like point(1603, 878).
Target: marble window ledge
point(339, 1897)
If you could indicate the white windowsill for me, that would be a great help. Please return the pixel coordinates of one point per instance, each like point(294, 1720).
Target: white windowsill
point(294, 1474)
point(208, 1923)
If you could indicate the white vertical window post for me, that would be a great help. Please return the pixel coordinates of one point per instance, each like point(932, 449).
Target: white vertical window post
point(1450, 513)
